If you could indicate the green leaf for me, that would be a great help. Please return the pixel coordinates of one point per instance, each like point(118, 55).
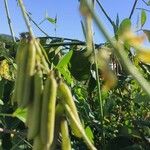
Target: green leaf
point(20, 114)
point(51, 20)
point(66, 74)
point(89, 133)
point(147, 32)
point(124, 26)
point(143, 18)
point(65, 60)
point(1, 102)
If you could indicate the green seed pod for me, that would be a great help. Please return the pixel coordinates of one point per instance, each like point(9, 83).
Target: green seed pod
point(48, 110)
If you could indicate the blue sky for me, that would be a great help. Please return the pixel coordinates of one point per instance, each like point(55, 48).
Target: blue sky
point(68, 24)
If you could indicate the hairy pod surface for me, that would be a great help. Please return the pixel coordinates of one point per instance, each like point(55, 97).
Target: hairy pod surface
point(29, 72)
point(66, 143)
point(65, 95)
point(58, 115)
point(35, 116)
point(37, 144)
point(48, 110)
point(21, 67)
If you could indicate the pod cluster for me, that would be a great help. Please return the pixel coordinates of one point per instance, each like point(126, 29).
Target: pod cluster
point(50, 105)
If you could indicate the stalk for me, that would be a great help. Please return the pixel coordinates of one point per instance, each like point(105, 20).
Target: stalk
point(26, 19)
point(9, 21)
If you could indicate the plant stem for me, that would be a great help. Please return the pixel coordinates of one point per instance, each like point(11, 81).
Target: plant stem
point(9, 21)
point(26, 19)
point(120, 52)
point(6, 115)
point(105, 13)
point(99, 98)
point(133, 8)
point(37, 25)
point(143, 9)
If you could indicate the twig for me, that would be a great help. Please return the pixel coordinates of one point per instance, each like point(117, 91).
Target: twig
point(9, 21)
point(61, 38)
point(143, 9)
point(37, 25)
point(119, 51)
point(73, 42)
point(145, 2)
point(103, 10)
point(26, 19)
point(133, 8)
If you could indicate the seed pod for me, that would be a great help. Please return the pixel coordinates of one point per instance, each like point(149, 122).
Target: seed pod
point(48, 110)
point(66, 144)
point(30, 69)
point(65, 95)
point(58, 115)
point(21, 68)
point(19, 55)
point(35, 116)
point(37, 144)
point(78, 127)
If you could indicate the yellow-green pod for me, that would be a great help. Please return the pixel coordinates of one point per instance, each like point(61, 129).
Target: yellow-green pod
point(66, 143)
point(37, 144)
point(65, 95)
point(20, 49)
point(35, 117)
point(21, 68)
point(29, 72)
point(48, 110)
point(58, 115)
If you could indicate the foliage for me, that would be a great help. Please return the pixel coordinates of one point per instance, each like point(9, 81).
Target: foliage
point(126, 107)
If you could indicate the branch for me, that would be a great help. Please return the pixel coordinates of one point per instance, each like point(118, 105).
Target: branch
point(133, 8)
point(144, 2)
point(72, 43)
point(143, 9)
point(9, 21)
point(37, 25)
point(26, 19)
point(109, 19)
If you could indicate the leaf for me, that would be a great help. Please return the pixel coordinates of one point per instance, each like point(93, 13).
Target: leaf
point(117, 20)
point(143, 18)
point(66, 74)
point(65, 60)
point(1, 102)
point(147, 32)
point(51, 20)
point(20, 114)
point(89, 133)
point(124, 26)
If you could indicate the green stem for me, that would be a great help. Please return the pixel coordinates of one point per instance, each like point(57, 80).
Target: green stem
point(105, 13)
point(26, 19)
point(6, 115)
point(37, 25)
point(120, 52)
point(99, 98)
point(133, 8)
point(9, 21)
